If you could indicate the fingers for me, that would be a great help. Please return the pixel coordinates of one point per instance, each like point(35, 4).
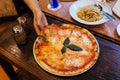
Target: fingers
point(37, 28)
point(45, 20)
point(40, 22)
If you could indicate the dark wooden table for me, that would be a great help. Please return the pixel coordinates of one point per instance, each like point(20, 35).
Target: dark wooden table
point(106, 68)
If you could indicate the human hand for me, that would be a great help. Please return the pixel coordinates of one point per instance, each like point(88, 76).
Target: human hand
point(40, 21)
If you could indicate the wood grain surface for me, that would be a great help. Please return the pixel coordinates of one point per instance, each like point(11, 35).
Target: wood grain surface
point(107, 66)
point(7, 8)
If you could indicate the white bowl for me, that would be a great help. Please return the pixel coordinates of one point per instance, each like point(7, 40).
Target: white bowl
point(74, 8)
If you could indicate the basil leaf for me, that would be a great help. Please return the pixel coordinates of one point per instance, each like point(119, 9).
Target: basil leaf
point(66, 42)
point(63, 49)
point(74, 47)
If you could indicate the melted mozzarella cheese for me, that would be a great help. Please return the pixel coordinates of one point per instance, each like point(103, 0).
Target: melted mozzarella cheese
point(86, 41)
point(83, 52)
point(52, 39)
point(76, 62)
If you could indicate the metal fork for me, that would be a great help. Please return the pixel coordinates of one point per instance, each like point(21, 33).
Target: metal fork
point(110, 17)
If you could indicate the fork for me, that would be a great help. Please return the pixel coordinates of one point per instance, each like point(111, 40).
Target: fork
point(110, 17)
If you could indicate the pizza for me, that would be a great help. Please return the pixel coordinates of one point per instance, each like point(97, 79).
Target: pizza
point(65, 50)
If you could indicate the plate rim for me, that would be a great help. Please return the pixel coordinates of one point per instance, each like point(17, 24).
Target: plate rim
point(118, 29)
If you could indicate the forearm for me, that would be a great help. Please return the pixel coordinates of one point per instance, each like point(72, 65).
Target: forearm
point(39, 18)
point(33, 5)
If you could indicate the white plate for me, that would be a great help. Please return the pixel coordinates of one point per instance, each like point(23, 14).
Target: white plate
point(76, 6)
point(118, 29)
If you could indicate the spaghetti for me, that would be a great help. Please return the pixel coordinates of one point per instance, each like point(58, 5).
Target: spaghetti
point(89, 13)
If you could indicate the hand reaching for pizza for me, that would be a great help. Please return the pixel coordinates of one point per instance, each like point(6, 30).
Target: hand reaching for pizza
point(39, 18)
point(39, 21)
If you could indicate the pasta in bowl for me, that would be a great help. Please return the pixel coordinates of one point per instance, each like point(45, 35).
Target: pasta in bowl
point(85, 12)
point(89, 13)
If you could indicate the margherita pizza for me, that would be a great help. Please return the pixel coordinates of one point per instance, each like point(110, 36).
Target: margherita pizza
point(65, 50)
